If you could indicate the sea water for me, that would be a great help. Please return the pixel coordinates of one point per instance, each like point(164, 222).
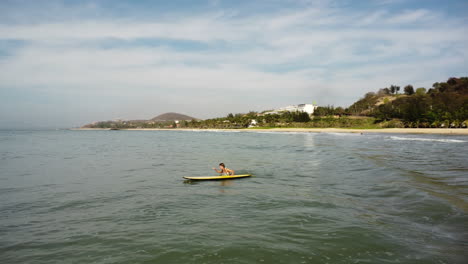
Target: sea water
point(119, 197)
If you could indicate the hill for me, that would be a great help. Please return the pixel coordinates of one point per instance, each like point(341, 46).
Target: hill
point(444, 105)
point(160, 121)
point(370, 101)
point(171, 116)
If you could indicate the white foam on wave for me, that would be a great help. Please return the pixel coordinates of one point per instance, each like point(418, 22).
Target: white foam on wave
point(282, 132)
point(212, 130)
point(429, 139)
point(342, 134)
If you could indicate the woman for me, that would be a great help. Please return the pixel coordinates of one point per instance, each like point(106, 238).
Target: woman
point(224, 171)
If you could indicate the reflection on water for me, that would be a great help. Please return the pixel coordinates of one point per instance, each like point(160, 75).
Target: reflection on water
point(224, 184)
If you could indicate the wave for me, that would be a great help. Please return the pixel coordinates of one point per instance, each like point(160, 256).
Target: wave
point(208, 130)
point(342, 134)
point(217, 131)
point(429, 139)
point(283, 132)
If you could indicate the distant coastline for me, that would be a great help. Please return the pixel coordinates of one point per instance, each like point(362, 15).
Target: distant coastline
point(444, 106)
point(431, 131)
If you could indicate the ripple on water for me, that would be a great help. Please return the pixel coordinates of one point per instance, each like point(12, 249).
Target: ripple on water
point(315, 198)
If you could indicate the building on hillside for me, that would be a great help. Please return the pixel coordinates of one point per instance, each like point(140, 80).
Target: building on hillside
point(307, 108)
point(253, 123)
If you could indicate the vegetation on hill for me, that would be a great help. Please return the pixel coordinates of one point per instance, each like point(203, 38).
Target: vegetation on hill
point(443, 105)
point(171, 116)
point(283, 121)
point(161, 121)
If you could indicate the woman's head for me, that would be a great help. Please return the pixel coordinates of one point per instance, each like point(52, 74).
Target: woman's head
point(221, 165)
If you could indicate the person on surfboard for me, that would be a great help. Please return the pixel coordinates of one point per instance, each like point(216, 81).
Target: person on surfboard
point(224, 171)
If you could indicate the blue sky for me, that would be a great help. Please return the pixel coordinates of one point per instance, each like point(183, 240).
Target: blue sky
point(67, 63)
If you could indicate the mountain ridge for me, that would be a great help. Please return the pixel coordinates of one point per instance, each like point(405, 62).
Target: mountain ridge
point(172, 116)
point(162, 119)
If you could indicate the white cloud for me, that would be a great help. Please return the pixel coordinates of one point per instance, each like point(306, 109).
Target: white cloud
point(320, 53)
point(410, 16)
point(370, 19)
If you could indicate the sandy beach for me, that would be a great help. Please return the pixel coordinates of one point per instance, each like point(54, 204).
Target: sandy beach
point(434, 131)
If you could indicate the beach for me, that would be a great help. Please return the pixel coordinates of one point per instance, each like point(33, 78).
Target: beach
point(429, 131)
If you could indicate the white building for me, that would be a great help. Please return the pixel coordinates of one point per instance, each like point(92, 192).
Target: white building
point(253, 123)
point(308, 108)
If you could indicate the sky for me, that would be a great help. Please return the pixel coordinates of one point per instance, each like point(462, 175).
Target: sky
point(68, 63)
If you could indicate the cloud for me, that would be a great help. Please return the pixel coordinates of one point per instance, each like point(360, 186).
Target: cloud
point(326, 53)
point(410, 16)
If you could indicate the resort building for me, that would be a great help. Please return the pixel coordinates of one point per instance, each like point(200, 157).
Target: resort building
point(308, 108)
point(253, 123)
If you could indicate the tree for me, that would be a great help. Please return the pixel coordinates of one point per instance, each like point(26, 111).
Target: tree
point(300, 117)
point(384, 91)
point(384, 112)
point(421, 91)
point(415, 108)
point(409, 90)
point(394, 89)
point(324, 111)
point(339, 111)
point(452, 81)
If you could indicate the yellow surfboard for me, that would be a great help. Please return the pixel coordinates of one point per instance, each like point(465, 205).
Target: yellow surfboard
point(224, 177)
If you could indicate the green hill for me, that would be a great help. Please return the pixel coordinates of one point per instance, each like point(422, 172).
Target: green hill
point(171, 116)
point(443, 105)
point(163, 120)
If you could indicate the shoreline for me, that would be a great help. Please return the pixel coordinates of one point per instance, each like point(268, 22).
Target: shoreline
point(428, 131)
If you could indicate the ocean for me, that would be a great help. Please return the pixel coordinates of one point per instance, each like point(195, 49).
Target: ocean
point(119, 197)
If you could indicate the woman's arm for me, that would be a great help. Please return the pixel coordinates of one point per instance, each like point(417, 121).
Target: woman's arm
point(218, 170)
point(231, 172)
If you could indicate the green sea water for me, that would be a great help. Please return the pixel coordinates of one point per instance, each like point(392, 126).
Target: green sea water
point(119, 197)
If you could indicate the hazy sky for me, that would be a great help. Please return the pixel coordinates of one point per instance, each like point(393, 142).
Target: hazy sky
point(67, 63)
